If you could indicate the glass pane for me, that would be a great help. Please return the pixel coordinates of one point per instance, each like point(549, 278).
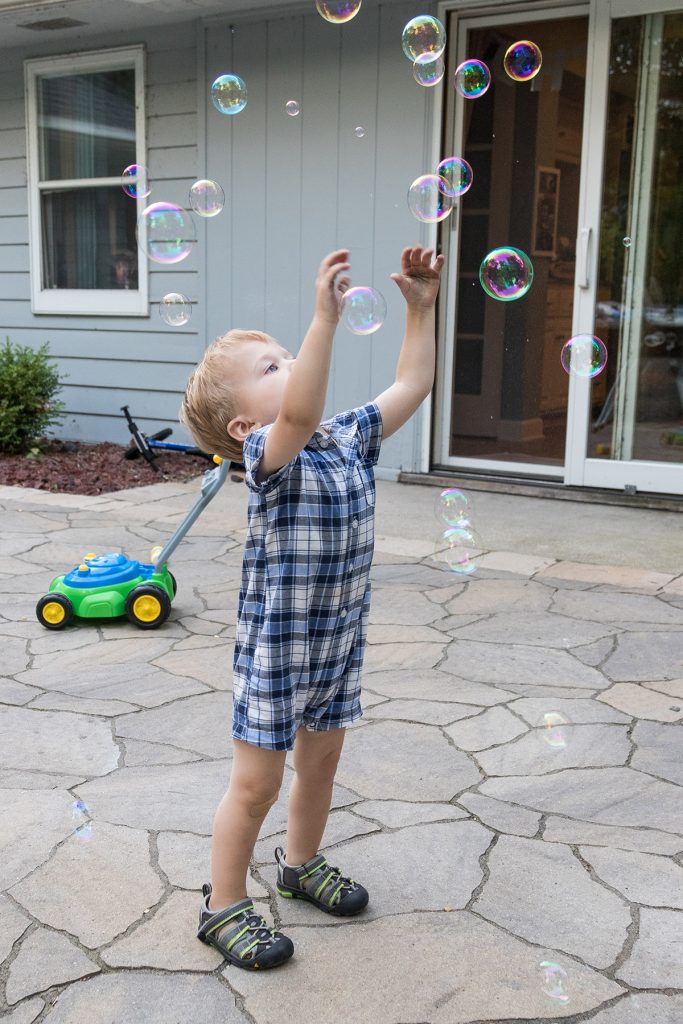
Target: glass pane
point(523, 140)
point(86, 124)
point(637, 410)
point(89, 239)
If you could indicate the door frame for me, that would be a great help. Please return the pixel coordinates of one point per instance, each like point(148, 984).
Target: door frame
point(578, 469)
point(641, 474)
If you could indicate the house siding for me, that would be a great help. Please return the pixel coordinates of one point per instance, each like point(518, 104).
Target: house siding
point(295, 189)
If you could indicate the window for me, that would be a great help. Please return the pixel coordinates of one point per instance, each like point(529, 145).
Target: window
point(86, 119)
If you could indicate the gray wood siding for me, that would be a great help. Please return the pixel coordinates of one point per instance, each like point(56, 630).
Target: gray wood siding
point(298, 187)
point(110, 361)
point(295, 189)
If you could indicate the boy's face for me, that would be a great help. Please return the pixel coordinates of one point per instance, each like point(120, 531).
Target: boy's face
point(263, 369)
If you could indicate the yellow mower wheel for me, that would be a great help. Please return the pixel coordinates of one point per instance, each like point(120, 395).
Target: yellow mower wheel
point(54, 611)
point(147, 606)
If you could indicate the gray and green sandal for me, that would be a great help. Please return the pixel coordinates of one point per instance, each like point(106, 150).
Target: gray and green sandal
point(242, 934)
point(320, 883)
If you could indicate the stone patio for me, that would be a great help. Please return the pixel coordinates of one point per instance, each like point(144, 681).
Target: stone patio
point(511, 798)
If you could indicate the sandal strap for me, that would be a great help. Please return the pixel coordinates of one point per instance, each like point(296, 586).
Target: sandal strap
point(250, 930)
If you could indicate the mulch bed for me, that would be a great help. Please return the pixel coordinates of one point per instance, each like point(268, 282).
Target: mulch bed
point(70, 467)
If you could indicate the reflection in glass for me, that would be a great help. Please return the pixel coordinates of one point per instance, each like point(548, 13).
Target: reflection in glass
point(637, 411)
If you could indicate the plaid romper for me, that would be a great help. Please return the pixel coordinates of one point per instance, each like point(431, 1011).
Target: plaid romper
point(304, 597)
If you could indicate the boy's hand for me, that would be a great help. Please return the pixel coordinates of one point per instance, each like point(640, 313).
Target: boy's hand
point(419, 278)
point(328, 292)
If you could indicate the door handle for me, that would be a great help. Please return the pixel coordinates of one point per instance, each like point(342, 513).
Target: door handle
point(583, 248)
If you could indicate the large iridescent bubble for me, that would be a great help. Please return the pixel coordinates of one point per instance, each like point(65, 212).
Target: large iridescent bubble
point(362, 310)
point(522, 60)
point(338, 11)
point(429, 72)
point(459, 548)
point(175, 309)
point(428, 199)
point(472, 78)
point(506, 273)
point(457, 174)
point(207, 197)
point(229, 94)
point(423, 39)
point(454, 507)
point(165, 232)
point(584, 355)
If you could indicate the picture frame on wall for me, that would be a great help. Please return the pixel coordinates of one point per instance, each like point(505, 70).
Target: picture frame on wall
point(546, 205)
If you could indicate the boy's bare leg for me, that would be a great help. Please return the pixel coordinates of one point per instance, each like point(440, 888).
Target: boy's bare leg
point(255, 780)
point(316, 755)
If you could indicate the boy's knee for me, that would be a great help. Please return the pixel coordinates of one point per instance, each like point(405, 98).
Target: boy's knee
point(259, 810)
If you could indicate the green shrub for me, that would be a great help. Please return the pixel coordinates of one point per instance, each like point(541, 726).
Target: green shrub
point(28, 383)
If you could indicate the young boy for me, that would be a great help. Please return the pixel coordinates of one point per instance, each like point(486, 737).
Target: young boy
point(305, 592)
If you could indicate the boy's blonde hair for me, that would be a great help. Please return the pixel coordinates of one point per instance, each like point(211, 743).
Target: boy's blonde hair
point(212, 395)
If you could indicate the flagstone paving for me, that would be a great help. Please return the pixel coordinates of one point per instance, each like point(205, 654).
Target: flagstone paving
point(512, 797)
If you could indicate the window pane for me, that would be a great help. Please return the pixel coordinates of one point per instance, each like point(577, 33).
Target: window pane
point(89, 239)
point(86, 124)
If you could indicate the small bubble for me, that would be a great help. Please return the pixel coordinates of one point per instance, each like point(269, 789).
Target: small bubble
point(359, 131)
point(627, 242)
point(292, 108)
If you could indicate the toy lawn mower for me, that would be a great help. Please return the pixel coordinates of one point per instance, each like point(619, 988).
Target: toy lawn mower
point(111, 585)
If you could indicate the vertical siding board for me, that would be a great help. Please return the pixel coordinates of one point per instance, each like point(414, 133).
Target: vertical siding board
point(319, 160)
point(284, 81)
point(403, 125)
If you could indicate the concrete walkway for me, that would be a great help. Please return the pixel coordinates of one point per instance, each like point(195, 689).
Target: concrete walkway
point(511, 798)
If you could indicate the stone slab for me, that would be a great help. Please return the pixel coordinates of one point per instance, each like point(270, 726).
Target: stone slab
point(637, 658)
point(615, 575)
point(200, 724)
point(608, 796)
point(399, 813)
point(514, 663)
point(56, 741)
point(426, 711)
point(60, 960)
point(166, 939)
point(433, 684)
point(616, 607)
point(398, 760)
point(393, 606)
point(582, 711)
point(655, 960)
point(185, 859)
point(639, 877)
point(659, 750)
point(468, 970)
point(30, 830)
point(13, 924)
point(493, 726)
point(502, 817)
point(107, 852)
point(486, 596)
point(645, 840)
point(140, 752)
point(24, 1014)
point(513, 561)
point(183, 797)
point(546, 750)
point(542, 629)
point(544, 876)
point(641, 1007)
point(130, 996)
point(640, 702)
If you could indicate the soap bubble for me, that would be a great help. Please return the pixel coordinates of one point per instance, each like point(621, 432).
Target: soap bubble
point(229, 94)
point(423, 39)
point(459, 547)
point(472, 79)
point(175, 309)
point(627, 242)
point(165, 232)
point(362, 310)
point(338, 11)
point(453, 506)
point(584, 355)
point(522, 60)
point(292, 108)
point(80, 816)
point(429, 72)
point(506, 273)
point(207, 197)
point(457, 174)
point(135, 181)
point(554, 981)
point(428, 198)
point(552, 729)
point(359, 131)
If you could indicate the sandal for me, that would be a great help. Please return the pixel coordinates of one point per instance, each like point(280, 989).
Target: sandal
point(242, 934)
point(320, 883)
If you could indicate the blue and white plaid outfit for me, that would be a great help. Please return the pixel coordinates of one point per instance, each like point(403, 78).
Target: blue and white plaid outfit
point(304, 598)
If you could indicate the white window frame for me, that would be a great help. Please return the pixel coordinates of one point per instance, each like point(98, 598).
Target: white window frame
point(82, 301)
